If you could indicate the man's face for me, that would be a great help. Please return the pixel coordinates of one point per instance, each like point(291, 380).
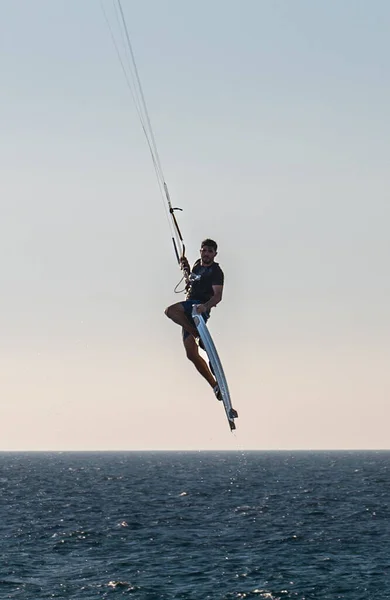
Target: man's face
point(207, 255)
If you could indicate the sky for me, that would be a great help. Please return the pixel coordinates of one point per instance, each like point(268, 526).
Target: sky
point(272, 121)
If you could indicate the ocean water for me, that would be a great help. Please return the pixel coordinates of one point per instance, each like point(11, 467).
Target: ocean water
point(195, 525)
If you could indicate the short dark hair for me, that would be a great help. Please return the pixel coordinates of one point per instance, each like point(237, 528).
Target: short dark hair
point(210, 243)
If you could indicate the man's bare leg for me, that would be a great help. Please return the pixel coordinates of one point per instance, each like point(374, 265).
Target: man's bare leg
point(176, 313)
point(200, 364)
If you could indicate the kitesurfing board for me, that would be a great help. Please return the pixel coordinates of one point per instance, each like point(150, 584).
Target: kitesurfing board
point(216, 366)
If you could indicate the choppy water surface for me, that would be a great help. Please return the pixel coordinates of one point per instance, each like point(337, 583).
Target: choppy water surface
point(195, 526)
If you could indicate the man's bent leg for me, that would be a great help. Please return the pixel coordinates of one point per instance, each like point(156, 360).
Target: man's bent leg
point(176, 313)
point(200, 364)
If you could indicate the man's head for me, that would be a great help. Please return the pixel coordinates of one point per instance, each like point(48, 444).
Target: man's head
point(208, 251)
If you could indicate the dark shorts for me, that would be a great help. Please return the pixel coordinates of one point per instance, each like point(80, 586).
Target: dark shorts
point(187, 305)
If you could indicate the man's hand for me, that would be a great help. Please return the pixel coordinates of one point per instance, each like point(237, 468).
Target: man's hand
point(184, 264)
point(201, 308)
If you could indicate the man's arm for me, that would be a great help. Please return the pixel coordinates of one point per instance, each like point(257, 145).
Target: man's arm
point(214, 300)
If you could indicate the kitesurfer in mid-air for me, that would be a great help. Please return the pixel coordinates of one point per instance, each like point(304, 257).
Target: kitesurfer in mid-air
point(205, 290)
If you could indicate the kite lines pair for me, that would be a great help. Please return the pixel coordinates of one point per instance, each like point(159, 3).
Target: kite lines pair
point(130, 70)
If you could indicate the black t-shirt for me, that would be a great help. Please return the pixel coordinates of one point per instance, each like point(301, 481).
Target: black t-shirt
point(205, 277)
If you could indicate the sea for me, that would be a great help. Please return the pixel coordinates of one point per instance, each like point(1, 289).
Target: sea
point(195, 525)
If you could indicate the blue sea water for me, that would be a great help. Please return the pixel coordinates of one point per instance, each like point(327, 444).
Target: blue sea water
point(195, 525)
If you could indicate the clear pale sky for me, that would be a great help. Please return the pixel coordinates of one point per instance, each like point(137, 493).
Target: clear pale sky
point(272, 121)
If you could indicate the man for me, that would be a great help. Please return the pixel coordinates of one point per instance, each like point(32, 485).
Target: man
point(206, 285)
